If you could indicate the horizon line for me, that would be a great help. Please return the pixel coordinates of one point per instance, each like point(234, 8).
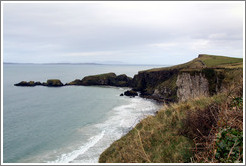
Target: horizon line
point(82, 63)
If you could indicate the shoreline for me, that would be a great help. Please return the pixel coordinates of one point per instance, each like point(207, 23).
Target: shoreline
point(109, 135)
point(120, 120)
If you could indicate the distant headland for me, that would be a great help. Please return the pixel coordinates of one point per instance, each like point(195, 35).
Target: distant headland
point(204, 75)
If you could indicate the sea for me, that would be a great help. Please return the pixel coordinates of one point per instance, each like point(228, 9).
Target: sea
point(70, 124)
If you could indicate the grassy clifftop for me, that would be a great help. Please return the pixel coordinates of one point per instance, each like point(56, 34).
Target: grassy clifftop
point(201, 129)
point(205, 61)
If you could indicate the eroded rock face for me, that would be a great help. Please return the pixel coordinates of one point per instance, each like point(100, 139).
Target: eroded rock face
point(191, 86)
point(159, 85)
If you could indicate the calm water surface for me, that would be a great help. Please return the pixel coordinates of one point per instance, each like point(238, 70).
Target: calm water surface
point(66, 124)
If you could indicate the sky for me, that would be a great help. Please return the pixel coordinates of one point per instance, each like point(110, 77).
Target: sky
point(147, 32)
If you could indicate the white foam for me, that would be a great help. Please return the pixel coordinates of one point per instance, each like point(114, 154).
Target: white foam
point(66, 158)
point(120, 120)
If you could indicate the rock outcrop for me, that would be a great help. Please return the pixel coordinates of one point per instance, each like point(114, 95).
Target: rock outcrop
point(110, 79)
point(130, 93)
point(75, 82)
point(25, 83)
point(54, 83)
point(49, 83)
point(101, 79)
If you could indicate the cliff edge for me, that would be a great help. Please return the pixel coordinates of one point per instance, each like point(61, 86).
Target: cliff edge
point(202, 124)
point(203, 76)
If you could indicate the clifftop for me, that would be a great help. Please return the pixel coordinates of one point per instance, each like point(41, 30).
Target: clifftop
point(204, 75)
point(205, 61)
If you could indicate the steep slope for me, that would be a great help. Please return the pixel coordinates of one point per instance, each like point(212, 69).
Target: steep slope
point(205, 75)
point(206, 125)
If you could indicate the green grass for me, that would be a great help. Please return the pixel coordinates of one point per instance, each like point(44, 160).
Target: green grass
point(205, 61)
point(214, 61)
point(102, 76)
point(158, 138)
point(168, 137)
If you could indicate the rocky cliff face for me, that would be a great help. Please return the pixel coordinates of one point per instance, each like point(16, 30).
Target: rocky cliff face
point(158, 85)
point(191, 86)
point(181, 84)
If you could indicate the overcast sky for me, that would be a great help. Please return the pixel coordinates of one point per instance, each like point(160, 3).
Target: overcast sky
point(127, 32)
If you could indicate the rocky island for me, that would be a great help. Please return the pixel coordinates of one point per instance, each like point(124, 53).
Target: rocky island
point(49, 83)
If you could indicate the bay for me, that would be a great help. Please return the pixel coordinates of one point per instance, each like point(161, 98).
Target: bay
point(65, 124)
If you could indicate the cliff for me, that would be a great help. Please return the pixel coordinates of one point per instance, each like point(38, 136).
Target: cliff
point(205, 126)
point(205, 75)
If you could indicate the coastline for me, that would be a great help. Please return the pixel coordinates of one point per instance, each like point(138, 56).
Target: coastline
point(164, 84)
point(120, 120)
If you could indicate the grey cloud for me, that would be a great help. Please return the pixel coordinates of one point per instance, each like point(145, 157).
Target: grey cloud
point(49, 30)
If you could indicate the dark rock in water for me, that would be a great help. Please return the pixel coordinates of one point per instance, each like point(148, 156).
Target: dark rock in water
point(101, 79)
point(75, 82)
point(130, 93)
point(25, 83)
point(106, 79)
point(121, 94)
point(38, 83)
point(50, 83)
point(54, 83)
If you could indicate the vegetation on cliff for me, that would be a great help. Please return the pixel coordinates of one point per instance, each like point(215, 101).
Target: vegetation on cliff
point(206, 127)
point(161, 83)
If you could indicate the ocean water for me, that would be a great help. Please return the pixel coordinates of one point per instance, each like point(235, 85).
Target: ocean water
point(71, 124)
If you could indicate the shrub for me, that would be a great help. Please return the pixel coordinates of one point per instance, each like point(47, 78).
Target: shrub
point(229, 145)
